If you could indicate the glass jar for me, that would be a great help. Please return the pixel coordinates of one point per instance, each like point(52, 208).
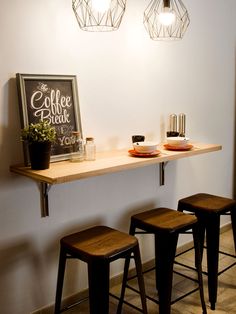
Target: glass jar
point(77, 147)
point(90, 149)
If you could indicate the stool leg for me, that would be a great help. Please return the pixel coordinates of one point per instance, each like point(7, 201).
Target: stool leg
point(198, 263)
point(139, 271)
point(233, 220)
point(124, 282)
point(98, 272)
point(60, 280)
point(138, 264)
point(165, 249)
point(132, 228)
point(201, 233)
point(212, 239)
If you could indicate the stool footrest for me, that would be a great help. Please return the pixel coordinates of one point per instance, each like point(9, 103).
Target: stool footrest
point(227, 254)
point(157, 301)
point(126, 302)
point(66, 308)
point(147, 296)
point(205, 272)
point(186, 266)
point(185, 276)
point(181, 253)
point(226, 268)
point(176, 272)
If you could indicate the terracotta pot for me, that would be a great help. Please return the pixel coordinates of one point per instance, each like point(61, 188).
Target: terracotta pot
point(40, 155)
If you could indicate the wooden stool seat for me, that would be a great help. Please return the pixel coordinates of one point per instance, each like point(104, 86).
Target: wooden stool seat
point(163, 220)
point(166, 225)
point(208, 208)
point(98, 242)
point(206, 203)
point(98, 246)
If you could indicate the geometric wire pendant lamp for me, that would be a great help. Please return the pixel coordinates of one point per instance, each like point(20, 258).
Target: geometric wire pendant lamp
point(166, 19)
point(99, 15)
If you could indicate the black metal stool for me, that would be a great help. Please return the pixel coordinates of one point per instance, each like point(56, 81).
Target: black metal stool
point(208, 208)
point(166, 225)
point(98, 247)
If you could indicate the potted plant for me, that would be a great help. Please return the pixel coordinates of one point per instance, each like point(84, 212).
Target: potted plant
point(39, 137)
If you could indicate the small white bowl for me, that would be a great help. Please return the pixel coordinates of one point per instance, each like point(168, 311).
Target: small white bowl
point(177, 141)
point(145, 147)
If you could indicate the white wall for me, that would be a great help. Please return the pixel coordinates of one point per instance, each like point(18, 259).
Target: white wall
point(127, 84)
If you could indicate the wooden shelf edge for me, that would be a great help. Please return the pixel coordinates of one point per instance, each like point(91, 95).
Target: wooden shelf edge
point(106, 162)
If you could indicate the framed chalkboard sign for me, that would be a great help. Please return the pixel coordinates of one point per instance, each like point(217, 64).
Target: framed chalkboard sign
point(53, 98)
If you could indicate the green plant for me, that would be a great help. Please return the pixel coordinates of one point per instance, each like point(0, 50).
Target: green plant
point(38, 132)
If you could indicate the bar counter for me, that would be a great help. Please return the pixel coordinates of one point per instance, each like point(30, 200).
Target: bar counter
point(106, 162)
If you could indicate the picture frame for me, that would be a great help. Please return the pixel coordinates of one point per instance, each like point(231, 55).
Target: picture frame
point(53, 98)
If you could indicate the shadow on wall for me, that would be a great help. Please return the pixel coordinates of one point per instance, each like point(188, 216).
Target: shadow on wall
point(10, 145)
point(26, 272)
point(19, 264)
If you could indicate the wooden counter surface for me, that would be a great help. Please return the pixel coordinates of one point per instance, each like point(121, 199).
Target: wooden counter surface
point(106, 162)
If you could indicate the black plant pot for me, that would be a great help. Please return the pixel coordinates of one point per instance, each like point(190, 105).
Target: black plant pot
point(40, 155)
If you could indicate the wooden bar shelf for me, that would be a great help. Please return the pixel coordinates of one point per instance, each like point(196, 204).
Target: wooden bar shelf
point(106, 162)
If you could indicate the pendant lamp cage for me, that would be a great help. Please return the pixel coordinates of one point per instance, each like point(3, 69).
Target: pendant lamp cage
point(171, 30)
point(91, 18)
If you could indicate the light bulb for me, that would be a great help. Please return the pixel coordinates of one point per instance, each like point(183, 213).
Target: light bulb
point(100, 6)
point(167, 17)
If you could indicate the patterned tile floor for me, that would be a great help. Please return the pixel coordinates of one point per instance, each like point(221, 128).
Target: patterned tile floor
point(226, 303)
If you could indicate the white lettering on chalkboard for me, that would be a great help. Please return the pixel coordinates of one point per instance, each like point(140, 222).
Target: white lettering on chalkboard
point(52, 108)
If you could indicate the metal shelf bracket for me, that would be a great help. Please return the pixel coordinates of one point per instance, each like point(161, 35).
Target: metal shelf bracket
point(44, 189)
point(162, 172)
